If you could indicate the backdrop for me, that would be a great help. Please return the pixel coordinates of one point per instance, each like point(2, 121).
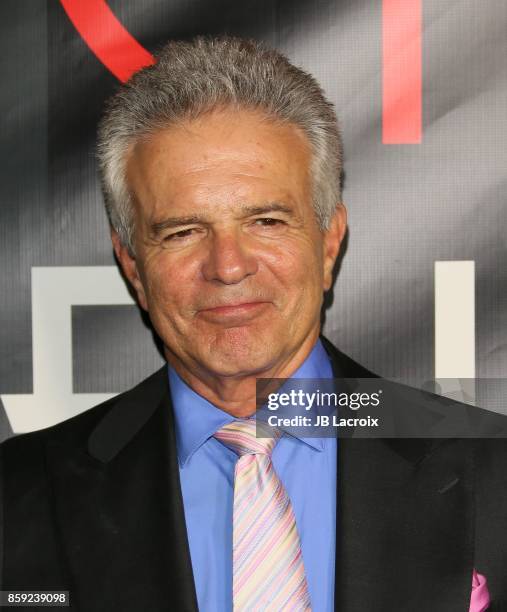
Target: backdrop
point(420, 88)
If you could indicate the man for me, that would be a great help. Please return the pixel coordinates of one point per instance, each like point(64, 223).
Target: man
point(221, 171)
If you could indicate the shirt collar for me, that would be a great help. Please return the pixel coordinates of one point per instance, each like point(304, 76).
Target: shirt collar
point(197, 419)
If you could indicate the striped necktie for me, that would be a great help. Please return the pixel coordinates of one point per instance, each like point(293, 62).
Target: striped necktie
point(268, 571)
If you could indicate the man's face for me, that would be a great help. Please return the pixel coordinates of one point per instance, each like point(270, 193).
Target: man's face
point(230, 262)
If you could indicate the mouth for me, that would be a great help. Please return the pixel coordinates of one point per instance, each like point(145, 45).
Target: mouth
point(239, 312)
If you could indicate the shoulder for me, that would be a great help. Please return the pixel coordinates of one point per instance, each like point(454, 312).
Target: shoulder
point(410, 412)
point(22, 449)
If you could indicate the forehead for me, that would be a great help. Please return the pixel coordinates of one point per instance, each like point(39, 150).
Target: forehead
point(227, 153)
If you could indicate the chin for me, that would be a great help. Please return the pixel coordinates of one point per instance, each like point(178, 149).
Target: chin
point(237, 351)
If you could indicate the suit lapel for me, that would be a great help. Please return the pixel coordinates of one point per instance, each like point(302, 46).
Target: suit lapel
point(119, 509)
point(404, 520)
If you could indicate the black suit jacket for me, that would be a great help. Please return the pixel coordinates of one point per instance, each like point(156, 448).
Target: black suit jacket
point(93, 505)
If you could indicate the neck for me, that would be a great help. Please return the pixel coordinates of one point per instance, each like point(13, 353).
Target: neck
point(236, 395)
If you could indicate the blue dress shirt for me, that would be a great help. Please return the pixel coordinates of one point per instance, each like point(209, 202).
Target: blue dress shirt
point(306, 467)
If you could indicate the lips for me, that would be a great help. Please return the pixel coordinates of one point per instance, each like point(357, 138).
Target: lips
point(241, 311)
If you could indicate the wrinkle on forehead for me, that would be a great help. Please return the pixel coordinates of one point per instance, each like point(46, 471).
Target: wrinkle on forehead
point(221, 125)
point(226, 156)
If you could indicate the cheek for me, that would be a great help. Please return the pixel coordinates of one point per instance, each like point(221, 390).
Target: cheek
point(166, 284)
point(298, 267)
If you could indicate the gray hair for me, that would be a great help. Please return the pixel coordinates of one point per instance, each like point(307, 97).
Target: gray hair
point(192, 78)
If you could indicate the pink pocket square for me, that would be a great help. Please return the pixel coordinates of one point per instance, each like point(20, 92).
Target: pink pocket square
point(479, 599)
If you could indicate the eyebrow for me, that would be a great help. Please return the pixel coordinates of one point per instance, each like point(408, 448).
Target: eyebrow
point(249, 211)
point(246, 211)
point(159, 226)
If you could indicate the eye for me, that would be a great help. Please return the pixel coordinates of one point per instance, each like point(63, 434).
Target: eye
point(269, 222)
point(179, 235)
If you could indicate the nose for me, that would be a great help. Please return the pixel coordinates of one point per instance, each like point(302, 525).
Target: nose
point(228, 260)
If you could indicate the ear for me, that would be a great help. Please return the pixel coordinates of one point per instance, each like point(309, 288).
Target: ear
point(332, 239)
point(129, 267)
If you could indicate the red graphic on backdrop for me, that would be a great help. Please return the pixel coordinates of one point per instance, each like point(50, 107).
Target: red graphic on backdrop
point(120, 52)
point(114, 46)
point(401, 71)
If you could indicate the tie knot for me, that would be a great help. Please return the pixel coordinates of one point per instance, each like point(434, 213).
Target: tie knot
point(241, 436)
